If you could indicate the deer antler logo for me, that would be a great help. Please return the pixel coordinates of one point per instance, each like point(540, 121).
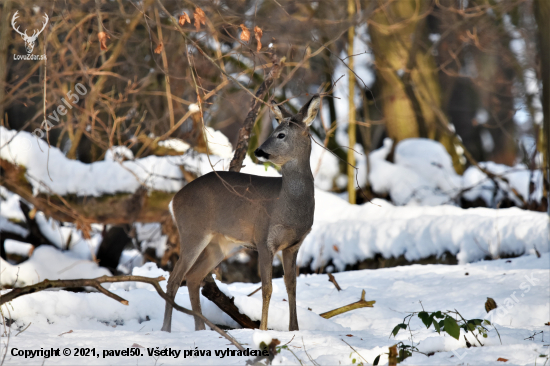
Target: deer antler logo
point(29, 40)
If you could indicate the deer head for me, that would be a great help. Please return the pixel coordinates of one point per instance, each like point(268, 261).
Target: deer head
point(29, 40)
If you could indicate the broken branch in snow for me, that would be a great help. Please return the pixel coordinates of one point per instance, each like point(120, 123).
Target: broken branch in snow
point(226, 304)
point(333, 280)
point(344, 309)
point(96, 283)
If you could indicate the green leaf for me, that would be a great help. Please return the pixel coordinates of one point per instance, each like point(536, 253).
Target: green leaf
point(476, 321)
point(353, 361)
point(376, 360)
point(485, 321)
point(451, 327)
point(438, 315)
point(436, 326)
point(397, 327)
point(471, 326)
point(266, 165)
point(426, 319)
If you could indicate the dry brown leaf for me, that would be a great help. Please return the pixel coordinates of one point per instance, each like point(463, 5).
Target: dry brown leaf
point(135, 345)
point(258, 33)
point(69, 332)
point(490, 304)
point(349, 335)
point(200, 18)
point(502, 359)
point(159, 48)
point(273, 346)
point(336, 249)
point(102, 36)
point(245, 34)
point(184, 18)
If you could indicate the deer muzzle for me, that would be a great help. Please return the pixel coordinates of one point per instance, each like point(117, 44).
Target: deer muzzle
point(261, 155)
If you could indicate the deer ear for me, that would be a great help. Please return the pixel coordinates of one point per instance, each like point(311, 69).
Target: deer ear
point(280, 113)
point(310, 109)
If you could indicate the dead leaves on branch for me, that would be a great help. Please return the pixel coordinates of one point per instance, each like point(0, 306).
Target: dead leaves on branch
point(184, 18)
point(245, 34)
point(102, 36)
point(200, 18)
point(159, 48)
point(258, 33)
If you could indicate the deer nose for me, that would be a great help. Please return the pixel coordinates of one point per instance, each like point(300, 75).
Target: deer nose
point(261, 154)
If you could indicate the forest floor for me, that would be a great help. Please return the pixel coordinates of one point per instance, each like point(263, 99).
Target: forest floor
point(520, 287)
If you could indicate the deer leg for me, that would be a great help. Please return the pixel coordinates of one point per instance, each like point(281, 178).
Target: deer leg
point(289, 266)
point(207, 261)
point(266, 272)
point(191, 248)
point(174, 282)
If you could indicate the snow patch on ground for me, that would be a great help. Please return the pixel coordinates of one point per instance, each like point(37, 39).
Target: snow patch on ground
point(100, 322)
point(46, 262)
point(422, 174)
point(345, 234)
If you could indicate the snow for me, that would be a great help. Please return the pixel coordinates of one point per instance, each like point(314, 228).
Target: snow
point(99, 322)
point(422, 174)
point(47, 262)
point(118, 153)
point(18, 248)
point(345, 234)
point(74, 177)
point(421, 177)
point(175, 144)
point(260, 337)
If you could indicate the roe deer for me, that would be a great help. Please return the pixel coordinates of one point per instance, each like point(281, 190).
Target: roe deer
point(224, 210)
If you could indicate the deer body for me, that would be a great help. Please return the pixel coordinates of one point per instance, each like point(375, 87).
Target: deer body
point(223, 210)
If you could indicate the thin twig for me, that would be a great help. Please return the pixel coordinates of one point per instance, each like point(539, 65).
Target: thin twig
point(24, 329)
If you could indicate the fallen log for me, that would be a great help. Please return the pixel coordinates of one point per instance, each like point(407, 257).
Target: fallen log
point(226, 304)
point(116, 209)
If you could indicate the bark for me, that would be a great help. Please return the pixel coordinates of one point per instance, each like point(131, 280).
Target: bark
point(542, 14)
point(352, 128)
point(409, 79)
point(333, 280)
point(5, 29)
point(226, 304)
point(246, 129)
point(344, 309)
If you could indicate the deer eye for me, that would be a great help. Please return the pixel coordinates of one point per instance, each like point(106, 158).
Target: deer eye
point(281, 136)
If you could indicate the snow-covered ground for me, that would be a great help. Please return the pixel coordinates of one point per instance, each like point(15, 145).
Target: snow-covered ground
point(346, 234)
point(520, 287)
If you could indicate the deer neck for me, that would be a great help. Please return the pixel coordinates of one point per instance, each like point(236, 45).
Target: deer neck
point(297, 179)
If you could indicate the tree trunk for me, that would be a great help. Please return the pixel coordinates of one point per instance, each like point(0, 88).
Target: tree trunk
point(351, 115)
point(542, 14)
point(5, 29)
point(408, 76)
